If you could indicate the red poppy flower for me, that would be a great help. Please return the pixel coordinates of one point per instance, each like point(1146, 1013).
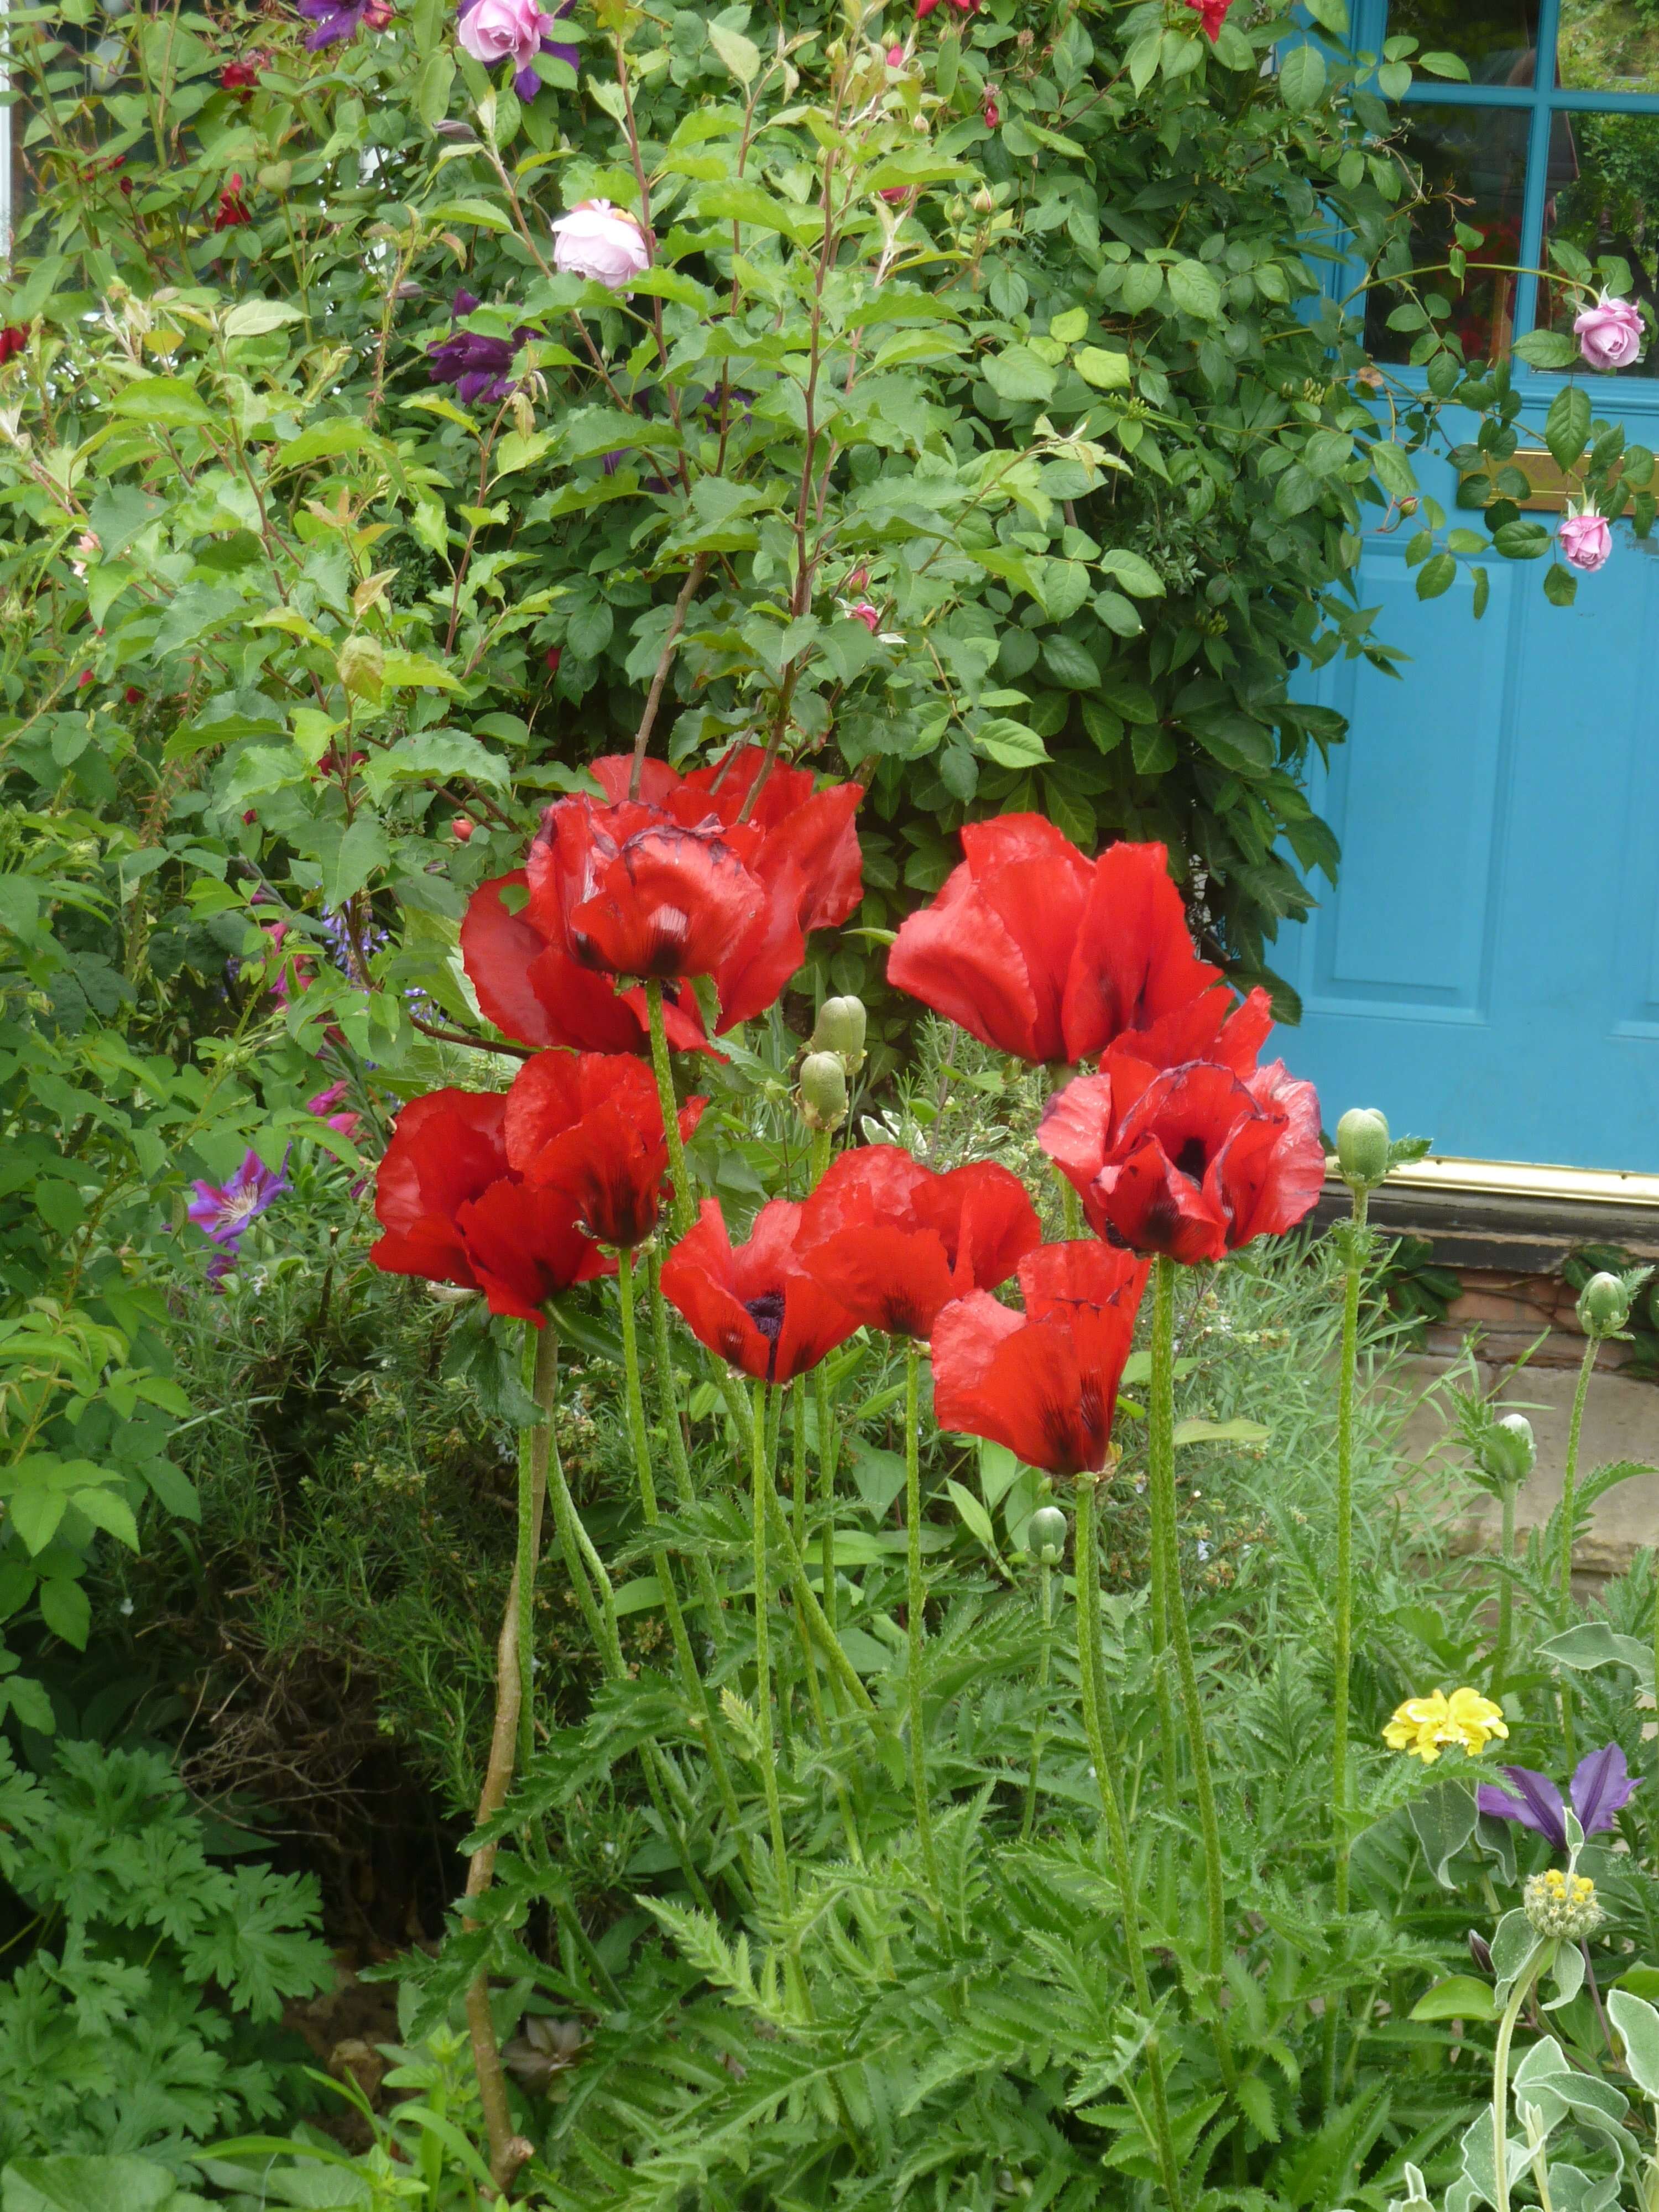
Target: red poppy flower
point(1214, 15)
point(640, 893)
point(13, 337)
point(590, 1125)
point(455, 1212)
point(894, 1242)
point(532, 988)
point(758, 1304)
point(1191, 1161)
point(232, 208)
point(799, 846)
point(1042, 953)
point(1043, 1383)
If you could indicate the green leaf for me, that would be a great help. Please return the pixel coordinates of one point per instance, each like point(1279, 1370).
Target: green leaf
point(71, 2183)
point(974, 1515)
point(66, 1609)
point(1546, 349)
point(1521, 541)
point(1137, 576)
point(1069, 327)
point(1437, 575)
point(1441, 65)
point(1070, 665)
point(253, 319)
point(363, 850)
point(432, 86)
point(1560, 585)
point(1009, 744)
point(167, 401)
point(1302, 78)
point(108, 1510)
point(1597, 1643)
point(740, 55)
point(1638, 2024)
point(1460, 1998)
point(1444, 1821)
point(1238, 1431)
point(1016, 375)
point(35, 1515)
point(1106, 369)
point(1195, 290)
point(1567, 425)
point(433, 757)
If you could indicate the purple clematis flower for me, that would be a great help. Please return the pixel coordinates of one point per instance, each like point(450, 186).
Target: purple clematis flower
point(336, 20)
point(223, 1210)
point(479, 368)
point(1601, 1786)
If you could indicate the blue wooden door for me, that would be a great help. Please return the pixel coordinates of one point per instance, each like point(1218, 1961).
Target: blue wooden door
point(1487, 968)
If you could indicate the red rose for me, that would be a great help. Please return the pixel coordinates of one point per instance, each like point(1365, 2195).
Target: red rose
point(1213, 14)
point(13, 337)
point(240, 76)
point(1043, 1383)
point(232, 208)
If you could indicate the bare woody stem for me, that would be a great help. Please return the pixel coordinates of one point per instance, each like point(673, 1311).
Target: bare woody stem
point(511, 1737)
point(688, 589)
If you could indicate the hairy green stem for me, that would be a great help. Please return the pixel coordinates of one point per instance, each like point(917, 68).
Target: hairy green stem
point(915, 1612)
point(763, 1493)
point(1500, 1657)
point(1098, 1728)
point(829, 1454)
point(708, 1591)
point(1045, 1587)
point(694, 1687)
point(1570, 1479)
point(1162, 1486)
point(1345, 1389)
point(663, 1068)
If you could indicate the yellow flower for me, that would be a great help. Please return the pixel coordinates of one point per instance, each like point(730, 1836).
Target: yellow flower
point(1423, 1727)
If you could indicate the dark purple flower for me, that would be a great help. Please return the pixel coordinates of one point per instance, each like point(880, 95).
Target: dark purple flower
point(465, 303)
point(223, 1210)
point(1601, 1786)
point(479, 368)
point(339, 20)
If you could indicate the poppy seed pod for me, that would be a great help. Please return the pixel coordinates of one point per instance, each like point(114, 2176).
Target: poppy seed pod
point(839, 1028)
point(822, 1091)
point(1045, 1535)
point(1362, 1146)
point(1603, 1306)
point(362, 668)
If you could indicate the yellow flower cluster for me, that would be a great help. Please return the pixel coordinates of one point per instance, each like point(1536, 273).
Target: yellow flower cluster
point(1424, 1727)
point(1558, 1903)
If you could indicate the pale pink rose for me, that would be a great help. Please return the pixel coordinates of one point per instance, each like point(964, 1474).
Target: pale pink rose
point(499, 30)
point(598, 241)
point(1609, 334)
point(1586, 541)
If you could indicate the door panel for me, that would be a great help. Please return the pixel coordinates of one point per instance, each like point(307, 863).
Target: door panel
point(1487, 969)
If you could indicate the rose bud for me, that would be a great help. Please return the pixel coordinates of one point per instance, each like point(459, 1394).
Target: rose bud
point(463, 827)
point(553, 656)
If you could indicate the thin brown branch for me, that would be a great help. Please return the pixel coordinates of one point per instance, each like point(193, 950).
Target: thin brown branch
point(694, 576)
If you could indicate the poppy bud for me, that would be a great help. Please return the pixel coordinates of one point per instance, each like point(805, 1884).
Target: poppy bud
point(1603, 1306)
point(1526, 1445)
point(463, 826)
point(362, 668)
point(822, 1091)
point(1045, 1535)
point(1362, 1146)
point(839, 1030)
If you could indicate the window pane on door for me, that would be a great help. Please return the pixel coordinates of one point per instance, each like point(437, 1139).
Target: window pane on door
point(1608, 46)
point(1606, 200)
point(1474, 165)
point(1496, 38)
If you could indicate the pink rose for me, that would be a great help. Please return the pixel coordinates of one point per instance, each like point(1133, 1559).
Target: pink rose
point(499, 30)
point(1586, 541)
point(598, 241)
point(866, 614)
point(1609, 334)
point(896, 58)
